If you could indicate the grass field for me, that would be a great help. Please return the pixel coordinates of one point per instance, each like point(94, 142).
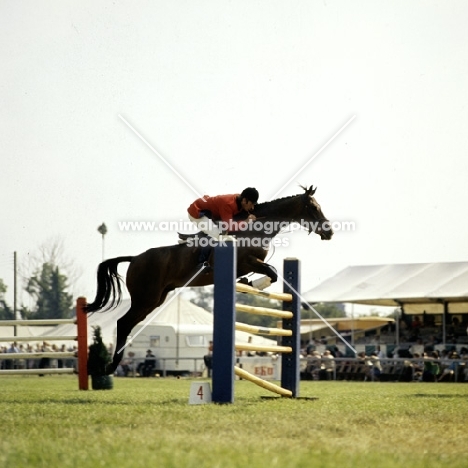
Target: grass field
point(48, 422)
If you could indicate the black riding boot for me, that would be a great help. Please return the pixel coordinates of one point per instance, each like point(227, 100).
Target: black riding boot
point(204, 255)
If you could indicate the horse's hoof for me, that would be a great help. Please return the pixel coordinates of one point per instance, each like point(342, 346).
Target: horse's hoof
point(244, 281)
point(110, 369)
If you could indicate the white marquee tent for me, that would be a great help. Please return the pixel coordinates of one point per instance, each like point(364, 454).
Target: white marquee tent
point(418, 287)
point(431, 288)
point(178, 312)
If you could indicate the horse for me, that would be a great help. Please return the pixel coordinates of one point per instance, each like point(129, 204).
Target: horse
point(158, 271)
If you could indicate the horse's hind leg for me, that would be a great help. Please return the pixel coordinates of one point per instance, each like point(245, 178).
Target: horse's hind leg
point(125, 325)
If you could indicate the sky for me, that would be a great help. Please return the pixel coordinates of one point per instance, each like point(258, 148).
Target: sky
point(118, 111)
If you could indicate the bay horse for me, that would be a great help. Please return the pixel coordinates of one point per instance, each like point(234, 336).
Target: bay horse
point(154, 273)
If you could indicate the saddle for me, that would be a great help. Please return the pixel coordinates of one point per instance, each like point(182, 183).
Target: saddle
point(185, 237)
point(204, 251)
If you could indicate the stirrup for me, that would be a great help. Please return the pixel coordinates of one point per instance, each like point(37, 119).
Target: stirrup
point(204, 268)
point(198, 234)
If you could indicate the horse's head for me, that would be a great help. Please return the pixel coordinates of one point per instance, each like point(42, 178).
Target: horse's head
point(312, 216)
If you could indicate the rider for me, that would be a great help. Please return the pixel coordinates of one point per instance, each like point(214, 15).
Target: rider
point(206, 211)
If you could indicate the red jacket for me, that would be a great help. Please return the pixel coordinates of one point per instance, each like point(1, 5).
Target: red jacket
point(222, 207)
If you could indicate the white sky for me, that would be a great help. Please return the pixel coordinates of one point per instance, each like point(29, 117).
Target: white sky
point(234, 94)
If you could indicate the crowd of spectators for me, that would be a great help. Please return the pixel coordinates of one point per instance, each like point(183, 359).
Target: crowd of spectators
point(41, 363)
point(427, 352)
point(130, 366)
point(430, 366)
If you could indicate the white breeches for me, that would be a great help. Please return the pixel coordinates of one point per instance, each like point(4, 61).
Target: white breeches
point(207, 226)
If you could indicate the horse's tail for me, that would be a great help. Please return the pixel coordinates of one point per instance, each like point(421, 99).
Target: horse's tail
point(109, 292)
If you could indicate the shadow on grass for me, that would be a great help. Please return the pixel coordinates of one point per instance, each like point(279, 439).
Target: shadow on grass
point(438, 395)
point(91, 401)
point(288, 399)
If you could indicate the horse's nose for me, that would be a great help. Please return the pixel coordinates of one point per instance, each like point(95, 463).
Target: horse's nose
point(326, 234)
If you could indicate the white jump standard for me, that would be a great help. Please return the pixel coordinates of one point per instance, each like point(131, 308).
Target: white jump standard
point(81, 338)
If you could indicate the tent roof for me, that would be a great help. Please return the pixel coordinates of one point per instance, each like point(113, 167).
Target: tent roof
point(344, 324)
point(419, 287)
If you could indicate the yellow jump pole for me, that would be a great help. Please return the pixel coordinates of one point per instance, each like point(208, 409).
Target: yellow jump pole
point(262, 383)
point(262, 331)
point(245, 288)
point(264, 311)
point(263, 349)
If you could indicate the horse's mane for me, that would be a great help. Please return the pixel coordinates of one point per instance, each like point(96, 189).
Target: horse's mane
point(276, 200)
point(270, 208)
point(273, 203)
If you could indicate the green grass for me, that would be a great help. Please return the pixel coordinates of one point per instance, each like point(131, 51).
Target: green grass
point(48, 422)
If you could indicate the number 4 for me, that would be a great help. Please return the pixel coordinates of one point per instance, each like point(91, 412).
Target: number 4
point(200, 392)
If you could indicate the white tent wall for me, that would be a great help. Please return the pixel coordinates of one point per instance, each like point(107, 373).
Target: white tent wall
point(174, 323)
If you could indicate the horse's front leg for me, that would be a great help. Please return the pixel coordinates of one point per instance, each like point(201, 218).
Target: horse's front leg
point(271, 272)
point(255, 265)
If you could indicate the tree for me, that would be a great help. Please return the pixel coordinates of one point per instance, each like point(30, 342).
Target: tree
point(46, 274)
point(326, 310)
point(203, 297)
point(98, 358)
point(257, 301)
point(102, 229)
point(6, 313)
point(51, 251)
point(48, 286)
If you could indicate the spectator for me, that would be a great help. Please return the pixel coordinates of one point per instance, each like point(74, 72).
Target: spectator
point(123, 369)
point(310, 347)
point(445, 354)
point(418, 366)
point(407, 373)
point(431, 367)
point(3, 350)
point(416, 323)
point(337, 353)
point(374, 367)
point(465, 367)
point(449, 371)
point(44, 363)
point(251, 353)
point(313, 365)
point(208, 358)
point(380, 353)
point(29, 363)
point(21, 363)
point(53, 361)
point(328, 366)
point(149, 364)
point(13, 349)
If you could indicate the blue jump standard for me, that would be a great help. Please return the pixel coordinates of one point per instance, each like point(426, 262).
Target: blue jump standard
point(224, 325)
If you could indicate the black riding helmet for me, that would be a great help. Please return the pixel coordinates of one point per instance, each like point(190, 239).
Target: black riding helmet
point(251, 194)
